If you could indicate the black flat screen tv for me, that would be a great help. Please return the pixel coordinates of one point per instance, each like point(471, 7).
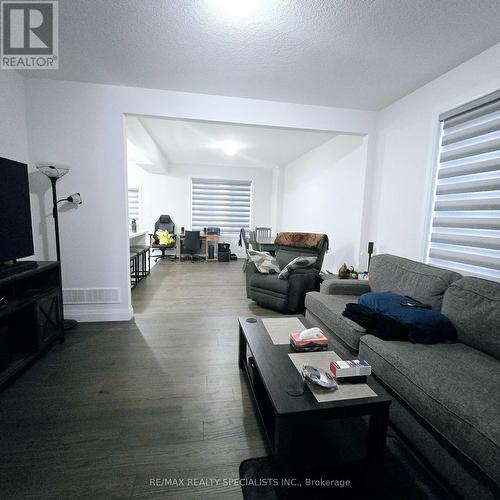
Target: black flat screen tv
point(16, 235)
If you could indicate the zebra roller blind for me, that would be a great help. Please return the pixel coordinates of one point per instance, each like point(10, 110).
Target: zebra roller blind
point(465, 233)
point(221, 203)
point(134, 207)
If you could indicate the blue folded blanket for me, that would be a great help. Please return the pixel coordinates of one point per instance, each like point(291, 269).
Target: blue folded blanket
point(420, 323)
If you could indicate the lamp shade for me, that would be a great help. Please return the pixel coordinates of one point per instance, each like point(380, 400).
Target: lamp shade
point(75, 198)
point(56, 171)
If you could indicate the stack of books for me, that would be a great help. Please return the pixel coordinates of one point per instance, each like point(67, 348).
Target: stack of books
point(353, 370)
point(318, 343)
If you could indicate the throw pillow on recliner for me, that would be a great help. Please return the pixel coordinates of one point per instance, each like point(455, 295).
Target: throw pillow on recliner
point(264, 262)
point(297, 263)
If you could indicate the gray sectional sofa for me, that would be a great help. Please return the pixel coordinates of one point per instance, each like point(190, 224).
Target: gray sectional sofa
point(446, 397)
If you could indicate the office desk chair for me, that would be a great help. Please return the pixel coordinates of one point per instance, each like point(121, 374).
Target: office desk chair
point(164, 223)
point(253, 241)
point(192, 244)
point(263, 232)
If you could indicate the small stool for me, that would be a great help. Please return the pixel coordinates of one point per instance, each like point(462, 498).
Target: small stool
point(134, 265)
point(144, 254)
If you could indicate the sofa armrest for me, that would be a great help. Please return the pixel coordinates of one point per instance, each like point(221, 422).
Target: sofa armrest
point(337, 286)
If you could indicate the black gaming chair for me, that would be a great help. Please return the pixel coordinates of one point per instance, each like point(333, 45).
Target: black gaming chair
point(164, 223)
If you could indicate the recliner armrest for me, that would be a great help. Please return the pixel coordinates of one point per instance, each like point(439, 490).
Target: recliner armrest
point(300, 284)
point(345, 287)
point(250, 271)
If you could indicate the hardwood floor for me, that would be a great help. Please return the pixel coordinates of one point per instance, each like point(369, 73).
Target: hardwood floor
point(122, 404)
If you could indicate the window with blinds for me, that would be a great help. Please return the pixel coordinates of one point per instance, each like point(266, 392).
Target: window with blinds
point(221, 203)
point(465, 234)
point(134, 208)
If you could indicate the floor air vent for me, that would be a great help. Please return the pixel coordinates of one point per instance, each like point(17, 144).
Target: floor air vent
point(91, 296)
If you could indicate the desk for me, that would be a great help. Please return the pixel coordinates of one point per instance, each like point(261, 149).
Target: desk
point(266, 244)
point(206, 241)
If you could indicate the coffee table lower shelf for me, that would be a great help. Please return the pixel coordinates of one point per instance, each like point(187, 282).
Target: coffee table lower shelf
point(261, 402)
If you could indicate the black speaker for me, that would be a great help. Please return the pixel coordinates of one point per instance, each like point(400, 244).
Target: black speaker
point(370, 251)
point(224, 256)
point(224, 252)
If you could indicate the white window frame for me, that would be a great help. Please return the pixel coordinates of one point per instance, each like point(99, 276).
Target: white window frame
point(213, 179)
point(139, 217)
point(444, 246)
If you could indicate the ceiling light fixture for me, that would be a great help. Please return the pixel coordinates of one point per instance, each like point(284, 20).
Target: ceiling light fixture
point(236, 8)
point(229, 147)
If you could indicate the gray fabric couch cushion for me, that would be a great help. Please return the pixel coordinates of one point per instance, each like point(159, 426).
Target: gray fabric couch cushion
point(389, 273)
point(452, 386)
point(473, 306)
point(328, 309)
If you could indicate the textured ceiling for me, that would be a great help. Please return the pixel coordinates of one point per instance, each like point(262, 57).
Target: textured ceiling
point(199, 143)
point(361, 54)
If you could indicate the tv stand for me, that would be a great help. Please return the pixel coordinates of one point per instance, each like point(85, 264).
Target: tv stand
point(15, 267)
point(30, 315)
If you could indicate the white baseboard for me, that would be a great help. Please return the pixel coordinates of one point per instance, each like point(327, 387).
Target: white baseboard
point(93, 315)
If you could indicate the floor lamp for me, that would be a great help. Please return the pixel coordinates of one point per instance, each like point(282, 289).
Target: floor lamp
point(54, 173)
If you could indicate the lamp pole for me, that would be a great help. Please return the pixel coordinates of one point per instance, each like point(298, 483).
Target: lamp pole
point(55, 214)
point(54, 173)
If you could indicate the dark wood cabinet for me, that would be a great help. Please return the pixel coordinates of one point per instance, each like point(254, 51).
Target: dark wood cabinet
point(48, 319)
point(30, 317)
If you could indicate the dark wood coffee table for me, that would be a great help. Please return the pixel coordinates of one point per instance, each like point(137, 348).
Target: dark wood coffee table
point(286, 407)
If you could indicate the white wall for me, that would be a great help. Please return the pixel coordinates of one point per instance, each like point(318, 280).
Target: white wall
point(323, 191)
point(401, 184)
point(155, 189)
point(82, 125)
point(13, 140)
point(142, 149)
